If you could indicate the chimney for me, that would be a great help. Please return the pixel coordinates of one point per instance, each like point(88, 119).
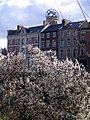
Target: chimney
point(19, 27)
point(65, 22)
point(44, 23)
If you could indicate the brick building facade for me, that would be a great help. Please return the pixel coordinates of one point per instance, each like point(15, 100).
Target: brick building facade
point(68, 39)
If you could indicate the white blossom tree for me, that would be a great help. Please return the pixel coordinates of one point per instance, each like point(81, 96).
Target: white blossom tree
point(48, 90)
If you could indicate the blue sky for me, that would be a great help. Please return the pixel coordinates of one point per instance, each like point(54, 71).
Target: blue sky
point(32, 12)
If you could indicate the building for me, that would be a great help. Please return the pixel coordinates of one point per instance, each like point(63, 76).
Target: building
point(84, 47)
point(49, 38)
point(19, 39)
point(68, 39)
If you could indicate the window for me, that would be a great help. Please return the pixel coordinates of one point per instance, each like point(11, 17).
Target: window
point(68, 33)
point(68, 53)
point(42, 35)
point(17, 41)
point(82, 51)
point(33, 40)
point(54, 34)
point(17, 50)
point(42, 44)
point(10, 49)
point(75, 32)
point(62, 33)
point(62, 42)
point(83, 38)
point(53, 43)
point(22, 41)
point(75, 42)
point(62, 54)
point(23, 50)
point(47, 35)
point(10, 42)
point(23, 31)
point(68, 42)
point(27, 51)
point(48, 43)
point(74, 53)
point(28, 41)
point(36, 40)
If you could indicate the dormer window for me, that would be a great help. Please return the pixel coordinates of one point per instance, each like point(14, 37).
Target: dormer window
point(23, 31)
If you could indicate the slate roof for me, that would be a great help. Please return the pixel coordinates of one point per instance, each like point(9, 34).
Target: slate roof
point(52, 28)
point(49, 28)
point(28, 30)
point(73, 25)
point(12, 32)
point(36, 28)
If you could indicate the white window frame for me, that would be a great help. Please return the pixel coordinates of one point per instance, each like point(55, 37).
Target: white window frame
point(48, 35)
point(69, 53)
point(68, 42)
point(75, 42)
point(62, 53)
point(10, 42)
point(62, 43)
point(42, 35)
point(22, 41)
point(17, 41)
point(47, 43)
point(75, 53)
point(82, 51)
point(68, 33)
point(42, 44)
point(54, 34)
point(62, 33)
point(53, 43)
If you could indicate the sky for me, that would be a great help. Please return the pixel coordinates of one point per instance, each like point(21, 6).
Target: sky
point(32, 12)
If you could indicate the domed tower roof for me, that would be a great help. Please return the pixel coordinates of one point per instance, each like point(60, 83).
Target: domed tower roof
point(52, 16)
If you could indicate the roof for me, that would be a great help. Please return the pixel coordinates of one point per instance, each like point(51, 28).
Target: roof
point(27, 30)
point(49, 28)
point(88, 28)
point(11, 32)
point(73, 25)
point(36, 28)
point(70, 25)
point(52, 28)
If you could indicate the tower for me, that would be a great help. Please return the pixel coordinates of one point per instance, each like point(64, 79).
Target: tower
point(52, 17)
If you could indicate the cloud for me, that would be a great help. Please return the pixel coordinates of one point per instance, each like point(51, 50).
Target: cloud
point(3, 43)
point(18, 3)
point(32, 12)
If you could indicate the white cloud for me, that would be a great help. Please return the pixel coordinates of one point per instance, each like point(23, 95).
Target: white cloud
point(66, 7)
point(15, 12)
point(18, 3)
point(20, 15)
point(3, 43)
point(2, 2)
